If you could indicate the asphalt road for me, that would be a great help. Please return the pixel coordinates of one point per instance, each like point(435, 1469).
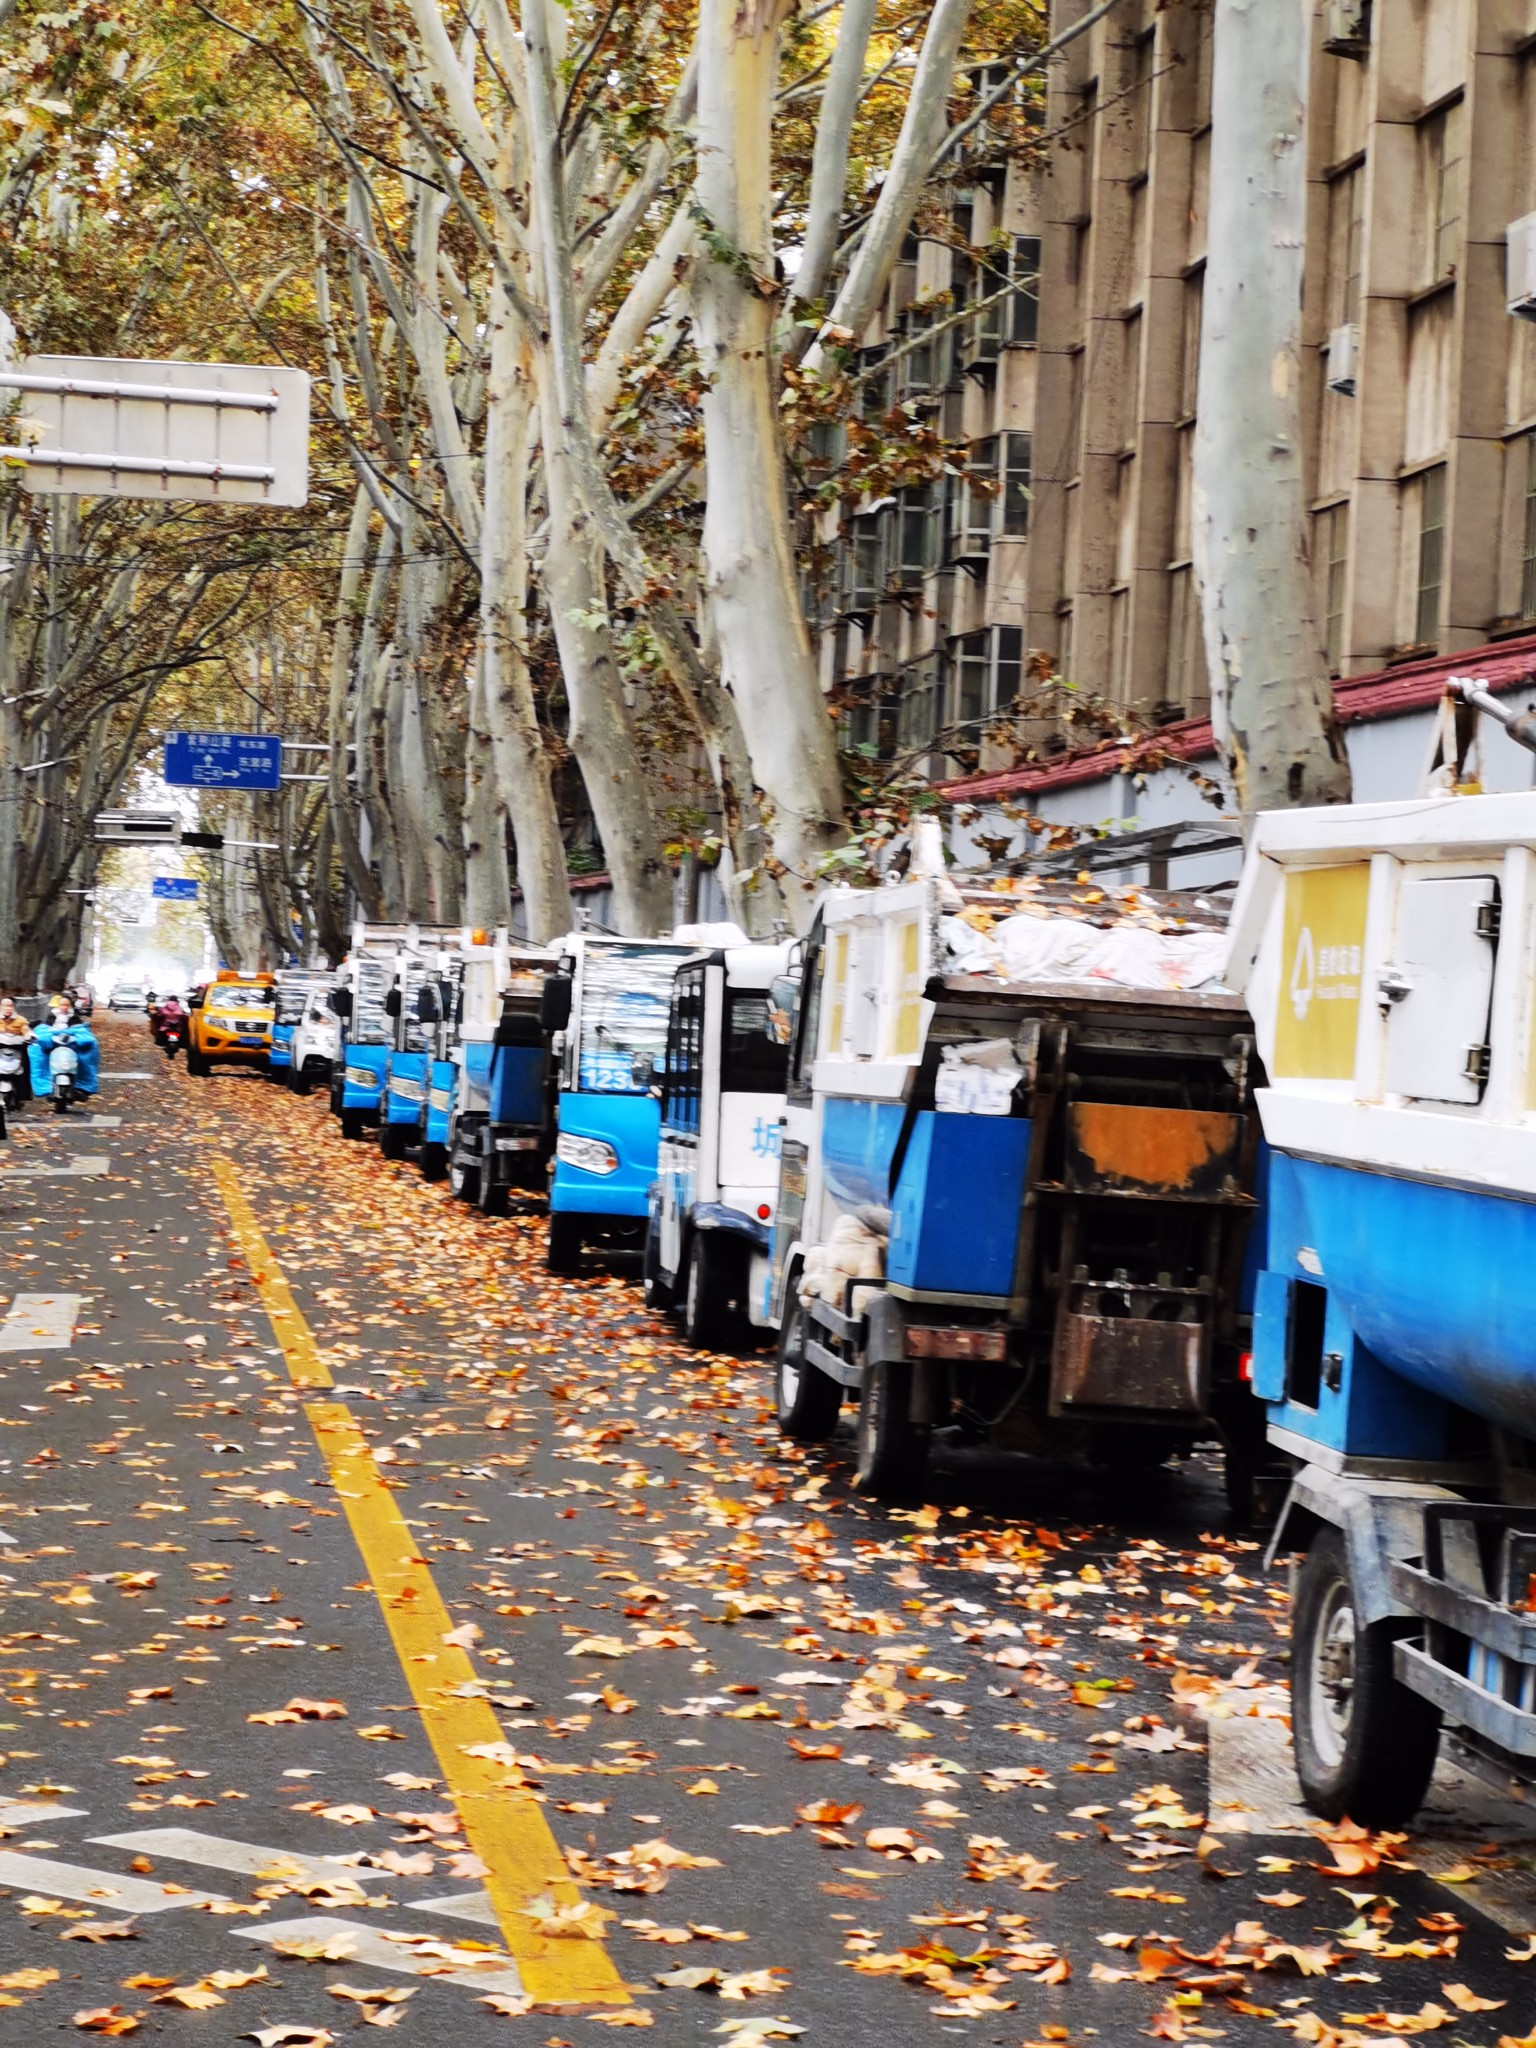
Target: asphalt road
point(328, 1614)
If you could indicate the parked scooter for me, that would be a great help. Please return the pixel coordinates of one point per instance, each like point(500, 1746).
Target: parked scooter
point(65, 1063)
point(12, 1053)
point(63, 1070)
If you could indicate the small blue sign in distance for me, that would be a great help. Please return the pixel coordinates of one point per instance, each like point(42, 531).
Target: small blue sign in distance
point(174, 889)
point(224, 760)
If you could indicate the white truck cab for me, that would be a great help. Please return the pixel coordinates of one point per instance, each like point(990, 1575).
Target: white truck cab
point(721, 1084)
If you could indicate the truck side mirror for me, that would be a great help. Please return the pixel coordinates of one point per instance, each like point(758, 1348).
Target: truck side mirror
point(392, 1003)
point(783, 995)
point(341, 1001)
point(642, 1067)
point(429, 1004)
point(555, 1002)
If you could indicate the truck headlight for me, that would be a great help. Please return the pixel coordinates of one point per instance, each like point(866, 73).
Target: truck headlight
point(590, 1154)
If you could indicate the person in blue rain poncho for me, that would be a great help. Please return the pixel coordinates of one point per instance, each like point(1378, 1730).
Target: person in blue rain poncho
point(64, 1027)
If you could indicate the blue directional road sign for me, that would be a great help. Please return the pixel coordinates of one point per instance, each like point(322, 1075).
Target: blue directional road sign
point(174, 889)
point(224, 760)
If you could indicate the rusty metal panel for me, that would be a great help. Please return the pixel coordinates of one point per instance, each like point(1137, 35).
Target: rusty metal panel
point(931, 1340)
point(1134, 1362)
point(1121, 1148)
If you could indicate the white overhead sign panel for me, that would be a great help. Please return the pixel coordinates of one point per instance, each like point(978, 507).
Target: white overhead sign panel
point(219, 433)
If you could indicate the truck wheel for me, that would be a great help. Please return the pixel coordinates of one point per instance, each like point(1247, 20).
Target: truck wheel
point(493, 1195)
point(197, 1066)
point(706, 1295)
point(809, 1401)
point(563, 1252)
point(299, 1082)
point(1365, 1744)
point(463, 1179)
point(351, 1123)
point(655, 1288)
point(434, 1161)
point(892, 1449)
point(392, 1140)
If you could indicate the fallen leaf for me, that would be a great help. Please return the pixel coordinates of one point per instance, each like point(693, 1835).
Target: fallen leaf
point(107, 2019)
point(1466, 2000)
point(101, 1930)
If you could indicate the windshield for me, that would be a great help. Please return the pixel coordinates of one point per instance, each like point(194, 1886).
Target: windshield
point(233, 996)
point(753, 1063)
point(625, 994)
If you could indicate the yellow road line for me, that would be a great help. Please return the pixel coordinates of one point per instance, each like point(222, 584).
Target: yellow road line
point(505, 1828)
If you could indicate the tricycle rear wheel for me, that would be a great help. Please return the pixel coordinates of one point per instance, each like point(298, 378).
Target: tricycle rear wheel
point(809, 1402)
point(892, 1449)
point(1365, 1745)
point(562, 1254)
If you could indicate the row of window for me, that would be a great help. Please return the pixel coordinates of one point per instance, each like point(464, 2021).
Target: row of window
point(949, 522)
point(975, 676)
point(1331, 535)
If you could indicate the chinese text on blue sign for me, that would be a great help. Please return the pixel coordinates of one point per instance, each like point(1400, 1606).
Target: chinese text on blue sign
point(224, 760)
point(174, 889)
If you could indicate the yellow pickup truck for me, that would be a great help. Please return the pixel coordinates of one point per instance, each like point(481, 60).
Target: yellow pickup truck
point(229, 1022)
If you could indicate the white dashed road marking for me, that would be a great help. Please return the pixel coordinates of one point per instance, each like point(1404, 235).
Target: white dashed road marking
point(474, 1906)
point(41, 1322)
point(249, 1859)
point(20, 1811)
point(91, 1165)
point(366, 1945)
point(95, 1887)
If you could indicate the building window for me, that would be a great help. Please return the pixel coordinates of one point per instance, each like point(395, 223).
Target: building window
point(915, 538)
point(1014, 504)
point(1528, 550)
point(1024, 324)
point(920, 709)
point(1138, 106)
point(973, 504)
point(1426, 622)
point(1346, 202)
point(1186, 681)
point(869, 724)
point(860, 578)
point(1440, 155)
point(987, 667)
point(1189, 382)
point(1331, 559)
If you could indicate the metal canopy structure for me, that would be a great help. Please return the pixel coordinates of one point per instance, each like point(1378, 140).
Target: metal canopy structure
point(215, 433)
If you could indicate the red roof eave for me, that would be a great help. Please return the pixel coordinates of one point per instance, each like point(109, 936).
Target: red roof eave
point(1386, 693)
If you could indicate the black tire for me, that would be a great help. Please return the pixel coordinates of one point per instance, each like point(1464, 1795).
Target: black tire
point(892, 1449)
point(809, 1402)
point(434, 1162)
point(393, 1140)
point(61, 1105)
point(463, 1178)
point(197, 1066)
point(299, 1083)
point(706, 1303)
point(562, 1254)
point(493, 1193)
point(352, 1123)
point(1365, 1745)
point(656, 1289)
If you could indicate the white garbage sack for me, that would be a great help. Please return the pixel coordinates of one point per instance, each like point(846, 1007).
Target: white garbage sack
point(1026, 947)
point(977, 1080)
point(853, 1252)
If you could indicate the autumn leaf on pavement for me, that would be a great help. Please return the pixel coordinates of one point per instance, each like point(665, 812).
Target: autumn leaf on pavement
point(1466, 2000)
point(107, 2019)
point(290, 2037)
point(194, 1997)
point(373, 1994)
point(624, 2016)
point(101, 1930)
point(509, 2006)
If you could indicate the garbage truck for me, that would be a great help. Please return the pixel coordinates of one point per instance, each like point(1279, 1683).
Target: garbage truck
point(1386, 951)
point(1017, 1176)
point(294, 993)
point(720, 1085)
point(604, 1012)
point(490, 1105)
point(366, 1034)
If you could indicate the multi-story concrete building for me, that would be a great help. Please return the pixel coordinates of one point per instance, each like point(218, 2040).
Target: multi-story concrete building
point(1419, 393)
